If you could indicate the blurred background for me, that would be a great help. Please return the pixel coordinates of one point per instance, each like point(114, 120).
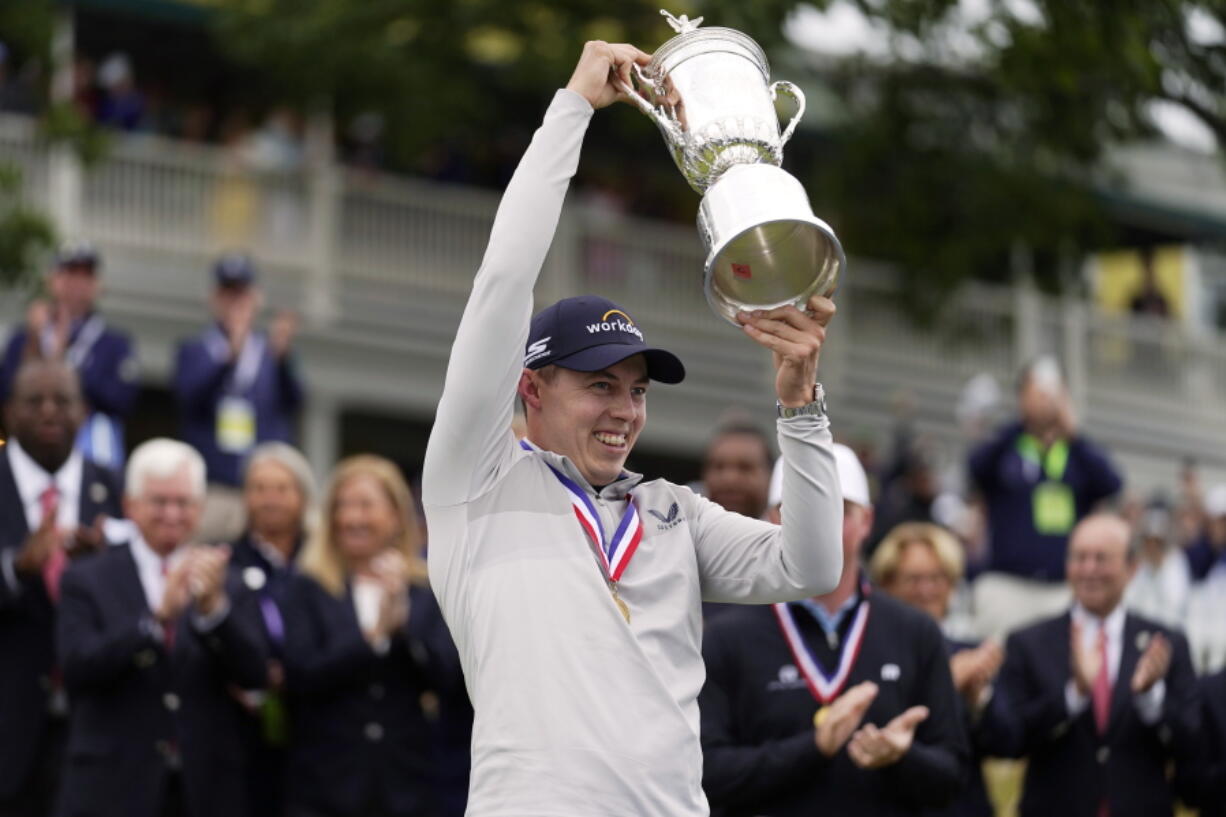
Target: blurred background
point(1012, 180)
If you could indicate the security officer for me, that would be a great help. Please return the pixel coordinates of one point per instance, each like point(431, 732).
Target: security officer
point(68, 327)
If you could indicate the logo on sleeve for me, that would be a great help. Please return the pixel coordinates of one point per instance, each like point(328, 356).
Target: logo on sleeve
point(669, 520)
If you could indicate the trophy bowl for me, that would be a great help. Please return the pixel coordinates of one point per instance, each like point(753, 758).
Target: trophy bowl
point(709, 92)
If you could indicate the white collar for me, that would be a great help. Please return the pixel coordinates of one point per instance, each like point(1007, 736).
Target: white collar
point(1113, 622)
point(146, 558)
point(271, 554)
point(32, 479)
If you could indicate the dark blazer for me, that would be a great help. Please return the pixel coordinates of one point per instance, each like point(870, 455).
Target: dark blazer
point(27, 625)
point(201, 381)
point(759, 752)
point(1071, 768)
point(1209, 776)
point(973, 801)
point(361, 743)
point(134, 702)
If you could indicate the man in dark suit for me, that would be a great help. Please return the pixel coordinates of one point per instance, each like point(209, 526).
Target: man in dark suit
point(52, 505)
point(153, 635)
point(1099, 700)
point(69, 328)
point(886, 738)
point(1208, 776)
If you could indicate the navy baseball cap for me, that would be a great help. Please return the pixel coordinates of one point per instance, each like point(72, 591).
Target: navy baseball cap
point(234, 269)
point(588, 333)
point(78, 254)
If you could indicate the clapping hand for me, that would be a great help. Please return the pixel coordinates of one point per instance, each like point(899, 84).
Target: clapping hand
point(208, 577)
point(873, 748)
point(1153, 664)
point(845, 714)
point(39, 545)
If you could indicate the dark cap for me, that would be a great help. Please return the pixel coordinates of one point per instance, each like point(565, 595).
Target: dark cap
point(234, 269)
point(587, 334)
point(78, 254)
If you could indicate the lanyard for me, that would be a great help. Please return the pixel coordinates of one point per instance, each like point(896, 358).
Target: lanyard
point(1051, 463)
point(824, 687)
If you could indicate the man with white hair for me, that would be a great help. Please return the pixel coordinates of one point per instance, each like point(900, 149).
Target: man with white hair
point(841, 703)
point(152, 634)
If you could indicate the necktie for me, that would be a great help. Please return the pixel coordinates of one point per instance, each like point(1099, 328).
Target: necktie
point(1100, 695)
point(57, 562)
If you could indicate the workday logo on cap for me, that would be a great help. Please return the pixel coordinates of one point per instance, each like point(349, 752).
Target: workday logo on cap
point(614, 321)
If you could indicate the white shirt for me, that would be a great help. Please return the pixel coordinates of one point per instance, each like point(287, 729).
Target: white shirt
point(1148, 703)
point(32, 480)
point(149, 568)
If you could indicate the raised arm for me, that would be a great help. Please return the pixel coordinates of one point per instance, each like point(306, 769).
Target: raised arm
point(471, 439)
point(746, 560)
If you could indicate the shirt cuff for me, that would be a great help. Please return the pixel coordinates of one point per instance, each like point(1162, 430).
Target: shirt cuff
point(1149, 703)
point(9, 569)
point(207, 623)
point(1074, 701)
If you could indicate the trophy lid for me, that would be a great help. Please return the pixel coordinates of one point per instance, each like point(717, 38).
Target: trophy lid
point(692, 41)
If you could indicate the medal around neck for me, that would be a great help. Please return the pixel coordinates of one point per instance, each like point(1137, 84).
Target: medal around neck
point(709, 92)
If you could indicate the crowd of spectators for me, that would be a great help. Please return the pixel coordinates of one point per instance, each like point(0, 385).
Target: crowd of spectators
point(297, 663)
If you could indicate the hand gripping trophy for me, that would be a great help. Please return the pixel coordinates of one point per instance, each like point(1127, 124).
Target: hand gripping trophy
point(712, 98)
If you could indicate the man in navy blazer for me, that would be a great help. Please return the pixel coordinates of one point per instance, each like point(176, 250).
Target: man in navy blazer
point(68, 327)
point(1102, 702)
point(155, 639)
point(236, 387)
point(52, 501)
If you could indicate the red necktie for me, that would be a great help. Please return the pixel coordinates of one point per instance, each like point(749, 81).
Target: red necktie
point(1100, 695)
point(57, 562)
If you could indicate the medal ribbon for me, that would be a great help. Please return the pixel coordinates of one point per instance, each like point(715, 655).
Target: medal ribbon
point(825, 688)
point(616, 551)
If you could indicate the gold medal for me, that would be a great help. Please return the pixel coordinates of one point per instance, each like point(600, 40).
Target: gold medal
point(621, 605)
point(820, 716)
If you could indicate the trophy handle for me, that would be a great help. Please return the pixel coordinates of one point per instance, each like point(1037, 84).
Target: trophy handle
point(665, 123)
point(784, 87)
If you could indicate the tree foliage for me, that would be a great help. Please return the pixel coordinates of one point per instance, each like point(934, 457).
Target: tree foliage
point(971, 135)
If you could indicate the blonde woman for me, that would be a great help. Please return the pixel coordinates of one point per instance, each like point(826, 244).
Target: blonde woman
point(921, 564)
point(364, 642)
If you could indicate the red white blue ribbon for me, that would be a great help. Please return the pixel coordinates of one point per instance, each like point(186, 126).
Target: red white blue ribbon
point(615, 551)
point(825, 688)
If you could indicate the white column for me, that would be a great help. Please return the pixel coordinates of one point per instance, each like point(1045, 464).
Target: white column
point(321, 432)
point(325, 192)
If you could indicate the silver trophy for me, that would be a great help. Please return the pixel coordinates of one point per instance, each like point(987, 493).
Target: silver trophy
point(710, 94)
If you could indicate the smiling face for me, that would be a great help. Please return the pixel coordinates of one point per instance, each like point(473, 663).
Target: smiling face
point(920, 579)
point(45, 411)
point(167, 510)
point(364, 518)
point(594, 418)
point(1100, 565)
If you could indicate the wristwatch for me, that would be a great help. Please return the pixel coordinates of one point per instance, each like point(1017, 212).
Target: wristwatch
point(817, 408)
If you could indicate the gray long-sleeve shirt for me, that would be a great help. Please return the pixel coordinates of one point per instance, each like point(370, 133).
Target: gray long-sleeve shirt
point(579, 712)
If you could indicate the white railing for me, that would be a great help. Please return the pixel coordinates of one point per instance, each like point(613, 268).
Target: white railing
point(341, 238)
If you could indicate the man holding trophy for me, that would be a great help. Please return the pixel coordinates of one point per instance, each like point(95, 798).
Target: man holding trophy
point(573, 588)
